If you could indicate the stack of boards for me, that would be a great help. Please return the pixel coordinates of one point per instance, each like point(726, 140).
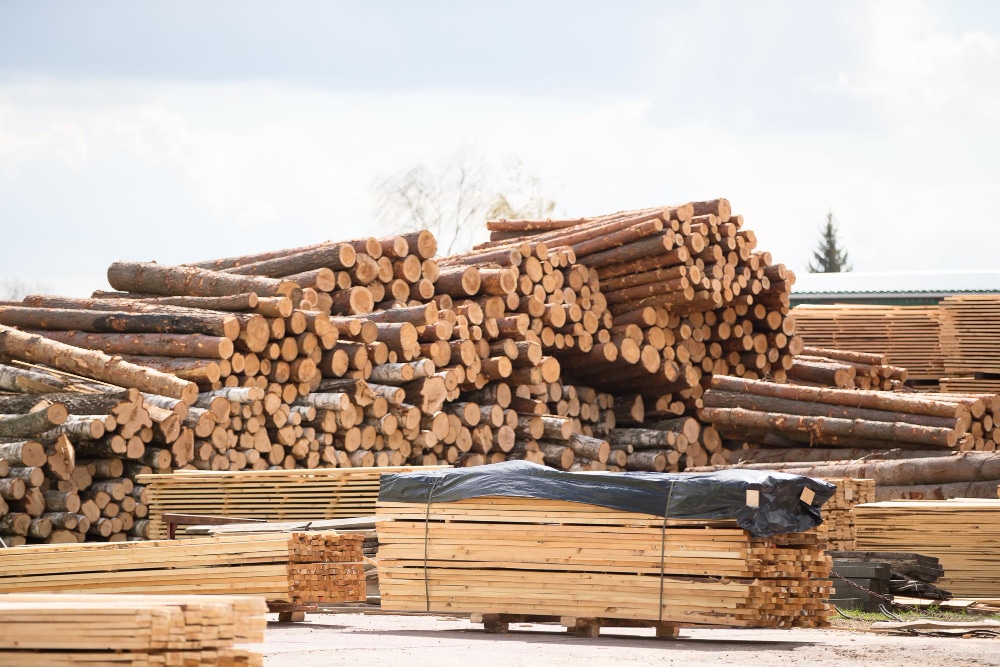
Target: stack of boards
point(838, 527)
point(130, 630)
point(271, 495)
point(280, 567)
point(964, 533)
point(498, 555)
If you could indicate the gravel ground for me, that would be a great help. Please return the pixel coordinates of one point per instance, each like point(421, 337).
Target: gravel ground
point(398, 640)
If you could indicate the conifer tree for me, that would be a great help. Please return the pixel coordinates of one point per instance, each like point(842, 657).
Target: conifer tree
point(829, 256)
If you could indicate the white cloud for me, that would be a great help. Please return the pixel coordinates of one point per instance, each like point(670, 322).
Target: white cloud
point(918, 72)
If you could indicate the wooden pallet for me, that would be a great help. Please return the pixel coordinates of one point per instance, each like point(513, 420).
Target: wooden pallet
point(580, 627)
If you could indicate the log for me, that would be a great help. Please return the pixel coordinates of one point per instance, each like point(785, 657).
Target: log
point(877, 400)
point(128, 300)
point(156, 345)
point(206, 322)
point(827, 429)
point(26, 454)
point(93, 364)
point(714, 398)
point(29, 381)
point(46, 416)
point(152, 278)
point(334, 256)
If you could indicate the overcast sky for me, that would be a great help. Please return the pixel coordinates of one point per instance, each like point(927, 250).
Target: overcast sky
point(184, 130)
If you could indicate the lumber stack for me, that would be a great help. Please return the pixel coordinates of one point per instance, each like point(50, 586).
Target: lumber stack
point(908, 336)
point(279, 567)
point(920, 477)
point(560, 558)
point(962, 533)
point(271, 495)
point(130, 630)
point(838, 529)
point(794, 416)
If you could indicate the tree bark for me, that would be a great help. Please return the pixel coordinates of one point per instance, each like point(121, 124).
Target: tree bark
point(152, 278)
point(334, 256)
point(205, 322)
point(824, 429)
point(157, 345)
point(92, 364)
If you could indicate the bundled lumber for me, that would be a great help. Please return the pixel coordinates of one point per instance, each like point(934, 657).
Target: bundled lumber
point(532, 556)
point(838, 529)
point(962, 533)
point(130, 629)
point(272, 495)
point(958, 475)
point(281, 567)
point(908, 336)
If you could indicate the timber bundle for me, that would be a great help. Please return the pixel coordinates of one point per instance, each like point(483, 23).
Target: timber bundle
point(952, 347)
point(963, 533)
point(303, 567)
point(838, 529)
point(440, 549)
point(130, 630)
point(269, 495)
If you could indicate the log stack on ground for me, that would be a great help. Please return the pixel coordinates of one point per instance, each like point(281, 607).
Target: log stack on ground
point(962, 533)
point(130, 630)
point(72, 454)
point(752, 412)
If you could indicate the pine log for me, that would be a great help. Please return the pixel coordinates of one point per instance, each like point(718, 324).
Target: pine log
point(876, 400)
point(824, 429)
point(93, 364)
point(714, 398)
point(152, 278)
point(45, 417)
point(205, 322)
point(156, 345)
point(334, 256)
point(128, 300)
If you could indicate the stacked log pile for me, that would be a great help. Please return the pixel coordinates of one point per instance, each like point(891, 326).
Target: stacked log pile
point(838, 529)
point(71, 451)
point(277, 567)
point(133, 630)
point(688, 295)
point(495, 555)
point(822, 367)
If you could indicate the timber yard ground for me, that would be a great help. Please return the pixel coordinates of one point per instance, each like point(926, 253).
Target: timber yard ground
point(431, 641)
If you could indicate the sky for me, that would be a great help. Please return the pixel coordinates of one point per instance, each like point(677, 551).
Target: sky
point(181, 131)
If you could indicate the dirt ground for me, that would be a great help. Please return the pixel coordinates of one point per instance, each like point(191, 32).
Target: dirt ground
point(374, 640)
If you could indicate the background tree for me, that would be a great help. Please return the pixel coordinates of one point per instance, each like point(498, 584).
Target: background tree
point(454, 200)
point(829, 256)
point(15, 289)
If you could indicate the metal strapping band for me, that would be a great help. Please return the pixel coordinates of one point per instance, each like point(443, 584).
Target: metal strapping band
point(427, 520)
point(663, 546)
